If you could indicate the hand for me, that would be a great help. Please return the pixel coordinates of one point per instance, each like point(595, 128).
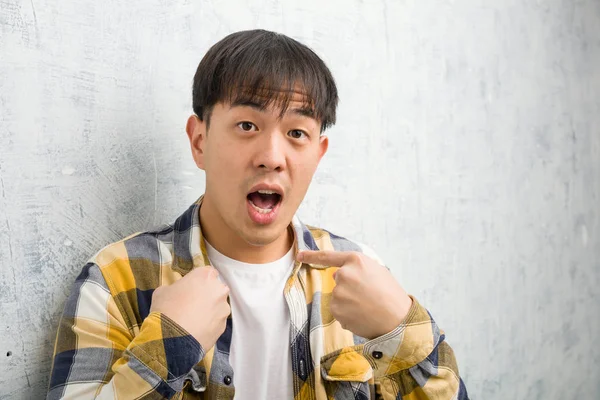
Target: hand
point(198, 303)
point(366, 300)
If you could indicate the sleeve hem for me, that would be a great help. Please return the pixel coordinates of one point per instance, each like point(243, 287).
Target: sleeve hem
point(402, 347)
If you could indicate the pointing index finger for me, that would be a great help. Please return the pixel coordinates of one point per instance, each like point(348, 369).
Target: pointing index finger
point(326, 258)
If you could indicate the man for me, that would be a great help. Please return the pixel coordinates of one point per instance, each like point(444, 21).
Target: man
point(238, 297)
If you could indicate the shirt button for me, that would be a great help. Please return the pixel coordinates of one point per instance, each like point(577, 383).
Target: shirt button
point(302, 369)
point(227, 380)
point(377, 354)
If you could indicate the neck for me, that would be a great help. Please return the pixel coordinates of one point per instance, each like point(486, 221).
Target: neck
point(227, 242)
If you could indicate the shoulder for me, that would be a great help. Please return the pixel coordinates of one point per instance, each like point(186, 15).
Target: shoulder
point(137, 257)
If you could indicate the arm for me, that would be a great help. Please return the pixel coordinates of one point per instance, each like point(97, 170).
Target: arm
point(414, 361)
point(97, 356)
point(406, 351)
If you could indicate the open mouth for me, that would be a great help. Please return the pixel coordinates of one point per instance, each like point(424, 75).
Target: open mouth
point(264, 201)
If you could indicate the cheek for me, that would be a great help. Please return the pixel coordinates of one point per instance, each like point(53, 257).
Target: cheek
point(309, 164)
point(224, 159)
point(220, 181)
point(302, 172)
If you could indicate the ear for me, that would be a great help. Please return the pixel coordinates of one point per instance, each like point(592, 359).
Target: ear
point(323, 146)
point(196, 132)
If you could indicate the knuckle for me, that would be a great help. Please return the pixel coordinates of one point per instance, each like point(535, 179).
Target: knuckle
point(199, 271)
point(195, 274)
point(211, 272)
point(204, 272)
point(356, 257)
point(335, 314)
point(158, 292)
point(352, 276)
point(225, 290)
point(335, 295)
point(345, 277)
point(224, 316)
point(334, 308)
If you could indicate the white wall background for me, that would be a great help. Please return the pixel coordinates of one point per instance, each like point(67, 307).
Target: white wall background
point(467, 154)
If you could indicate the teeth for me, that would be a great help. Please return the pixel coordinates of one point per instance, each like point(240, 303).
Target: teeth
point(266, 192)
point(261, 210)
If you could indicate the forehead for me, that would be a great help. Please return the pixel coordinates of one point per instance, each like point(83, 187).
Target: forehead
point(282, 101)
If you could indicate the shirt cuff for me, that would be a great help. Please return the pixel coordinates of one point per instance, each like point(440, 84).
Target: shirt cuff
point(165, 348)
point(405, 346)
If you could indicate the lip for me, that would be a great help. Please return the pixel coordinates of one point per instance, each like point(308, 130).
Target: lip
point(259, 218)
point(267, 186)
point(264, 219)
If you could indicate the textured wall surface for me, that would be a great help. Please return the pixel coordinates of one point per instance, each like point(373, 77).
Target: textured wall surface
point(467, 153)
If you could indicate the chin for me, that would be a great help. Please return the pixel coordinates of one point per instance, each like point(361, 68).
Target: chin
point(256, 238)
point(260, 240)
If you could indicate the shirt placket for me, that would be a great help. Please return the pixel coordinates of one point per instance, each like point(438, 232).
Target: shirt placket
point(302, 366)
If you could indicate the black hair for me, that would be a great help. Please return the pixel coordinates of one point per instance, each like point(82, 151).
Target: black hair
point(264, 68)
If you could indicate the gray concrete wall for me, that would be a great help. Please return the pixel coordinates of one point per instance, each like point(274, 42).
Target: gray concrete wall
point(467, 154)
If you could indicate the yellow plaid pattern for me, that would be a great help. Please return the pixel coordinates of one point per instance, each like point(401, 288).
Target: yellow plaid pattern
point(110, 346)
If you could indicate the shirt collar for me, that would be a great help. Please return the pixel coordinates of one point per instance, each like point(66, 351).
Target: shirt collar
point(189, 246)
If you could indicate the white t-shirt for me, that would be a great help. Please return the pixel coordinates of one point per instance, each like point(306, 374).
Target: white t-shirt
point(260, 353)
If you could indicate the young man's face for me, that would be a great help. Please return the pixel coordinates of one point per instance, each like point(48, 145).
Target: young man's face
point(258, 167)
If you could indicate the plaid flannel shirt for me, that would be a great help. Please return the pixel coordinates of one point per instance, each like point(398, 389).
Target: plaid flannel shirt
point(110, 346)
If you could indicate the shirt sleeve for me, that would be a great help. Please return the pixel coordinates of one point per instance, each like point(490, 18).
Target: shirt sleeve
point(414, 361)
point(96, 355)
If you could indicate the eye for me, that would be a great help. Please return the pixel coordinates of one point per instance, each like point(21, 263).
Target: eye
point(247, 126)
point(297, 134)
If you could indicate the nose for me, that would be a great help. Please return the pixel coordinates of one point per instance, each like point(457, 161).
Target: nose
point(270, 152)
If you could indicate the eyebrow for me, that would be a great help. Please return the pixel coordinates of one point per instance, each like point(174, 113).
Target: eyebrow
point(302, 111)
